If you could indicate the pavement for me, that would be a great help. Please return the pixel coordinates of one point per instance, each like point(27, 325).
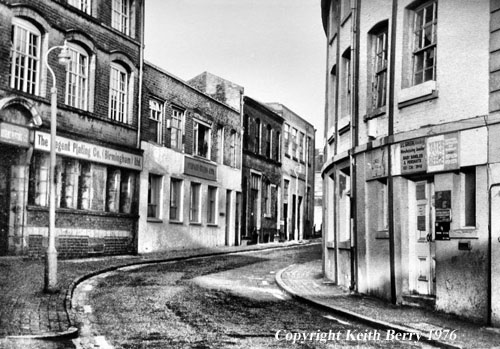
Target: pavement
point(306, 283)
point(26, 312)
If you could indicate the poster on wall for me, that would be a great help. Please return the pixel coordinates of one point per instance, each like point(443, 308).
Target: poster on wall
point(413, 156)
point(443, 152)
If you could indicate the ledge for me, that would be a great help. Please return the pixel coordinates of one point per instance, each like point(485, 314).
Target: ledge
point(154, 220)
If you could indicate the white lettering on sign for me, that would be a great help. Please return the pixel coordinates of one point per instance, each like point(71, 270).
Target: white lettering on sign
point(88, 151)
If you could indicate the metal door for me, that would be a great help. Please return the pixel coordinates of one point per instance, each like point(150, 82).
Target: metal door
point(424, 258)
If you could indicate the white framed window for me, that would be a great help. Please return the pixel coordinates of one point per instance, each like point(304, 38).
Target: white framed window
point(118, 93)
point(232, 149)
point(267, 198)
point(286, 190)
point(347, 84)
point(77, 78)
point(154, 195)
point(424, 42)
point(278, 146)
point(287, 139)
point(257, 136)
point(294, 142)
point(219, 151)
point(156, 118)
point(82, 5)
point(175, 212)
point(379, 68)
point(177, 129)
point(120, 15)
point(201, 139)
point(194, 203)
point(25, 56)
point(300, 152)
point(212, 205)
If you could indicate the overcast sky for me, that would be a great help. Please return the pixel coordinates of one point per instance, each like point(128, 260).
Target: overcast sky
point(275, 49)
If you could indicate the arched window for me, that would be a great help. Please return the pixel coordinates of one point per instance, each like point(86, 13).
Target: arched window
point(118, 93)
point(25, 56)
point(77, 78)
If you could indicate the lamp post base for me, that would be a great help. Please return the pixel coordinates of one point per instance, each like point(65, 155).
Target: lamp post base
point(51, 272)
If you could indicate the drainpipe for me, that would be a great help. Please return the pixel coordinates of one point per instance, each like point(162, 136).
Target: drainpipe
point(141, 76)
point(335, 177)
point(390, 180)
point(354, 141)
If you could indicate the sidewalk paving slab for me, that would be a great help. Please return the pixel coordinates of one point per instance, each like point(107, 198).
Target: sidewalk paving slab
point(305, 282)
point(27, 312)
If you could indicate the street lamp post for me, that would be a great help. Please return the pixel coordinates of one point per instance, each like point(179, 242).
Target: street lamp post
point(51, 254)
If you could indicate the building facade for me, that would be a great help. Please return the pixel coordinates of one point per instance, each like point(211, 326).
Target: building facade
point(411, 172)
point(297, 199)
point(261, 176)
point(191, 182)
point(98, 160)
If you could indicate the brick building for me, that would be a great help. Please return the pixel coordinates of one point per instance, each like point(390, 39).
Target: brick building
point(261, 176)
point(411, 171)
point(297, 165)
point(191, 182)
point(98, 160)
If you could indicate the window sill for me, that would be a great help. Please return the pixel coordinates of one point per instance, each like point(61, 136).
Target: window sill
point(330, 244)
point(195, 223)
point(344, 129)
point(83, 212)
point(375, 113)
point(154, 220)
point(344, 245)
point(417, 94)
point(172, 221)
point(346, 17)
point(212, 225)
point(382, 235)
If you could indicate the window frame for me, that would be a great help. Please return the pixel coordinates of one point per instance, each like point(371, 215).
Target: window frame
point(156, 114)
point(154, 198)
point(195, 203)
point(212, 207)
point(207, 139)
point(177, 121)
point(81, 98)
point(25, 81)
point(82, 5)
point(379, 54)
point(175, 203)
point(121, 11)
point(419, 46)
point(117, 92)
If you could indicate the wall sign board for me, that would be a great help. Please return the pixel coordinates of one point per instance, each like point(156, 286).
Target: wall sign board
point(413, 156)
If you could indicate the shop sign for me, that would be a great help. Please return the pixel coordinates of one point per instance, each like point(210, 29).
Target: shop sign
point(377, 167)
point(14, 134)
point(413, 156)
point(199, 168)
point(88, 151)
point(442, 152)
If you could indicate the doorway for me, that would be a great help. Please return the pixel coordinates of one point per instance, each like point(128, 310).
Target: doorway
point(228, 217)
point(6, 159)
point(422, 239)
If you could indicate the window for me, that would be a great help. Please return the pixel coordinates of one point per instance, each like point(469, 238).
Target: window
point(286, 190)
point(120, 17)
point(344, 207)
point(201, 140)
point(287, 139)
point(219, 151)
point(269, 141)
point(267, 198)
point(277, 145)
point(77, 78)
point(118, 93)
point(345, 9)
point(212, 205)
point(154, 191)
point(194, 203)
point(469, 196)
point(82, 185)
point(257, 134)
point(25, 56)
point(424, 47)
point(347, 84)
point(300, 154)
point(177, 129)
point(379, 74)
point(232, 148)
point(156, 119)
point(82, 5)
point(294, 142)
point(175, 199)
